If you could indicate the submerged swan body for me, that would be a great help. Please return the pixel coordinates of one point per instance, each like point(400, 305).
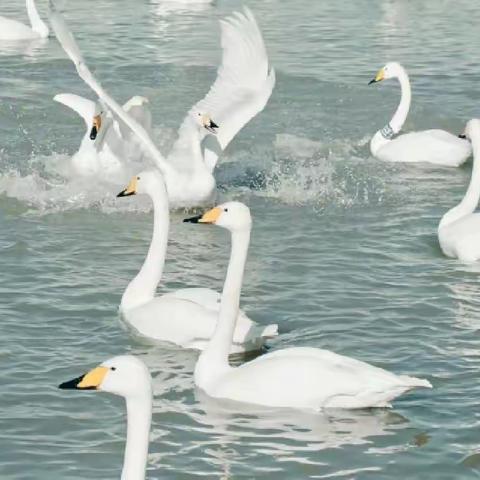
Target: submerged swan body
point(107, 142)
point(243, 86)
point(12, 30)
point(186, 317)
point(431, 146)
point(128, 377)
point(459, 229)
point(304, 378)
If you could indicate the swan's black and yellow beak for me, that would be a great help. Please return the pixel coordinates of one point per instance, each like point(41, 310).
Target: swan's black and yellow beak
point(378, 77)
point(131, 189)
point(209, 124)
point(208, 217)
point(90, 381)
point(97, 123)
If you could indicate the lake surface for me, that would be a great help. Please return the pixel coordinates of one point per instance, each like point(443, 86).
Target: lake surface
point(344, 252)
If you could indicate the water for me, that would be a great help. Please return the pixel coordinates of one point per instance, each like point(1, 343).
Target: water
point(344, 252)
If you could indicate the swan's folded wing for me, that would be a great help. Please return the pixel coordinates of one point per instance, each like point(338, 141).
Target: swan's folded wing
point(243, 85)
point(83, 106)
point(70, 46)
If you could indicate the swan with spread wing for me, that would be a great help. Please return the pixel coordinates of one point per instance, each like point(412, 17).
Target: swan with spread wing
point(243, 86)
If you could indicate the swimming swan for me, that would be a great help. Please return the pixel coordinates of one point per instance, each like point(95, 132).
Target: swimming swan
point(15, 31)
point(302, 377)
point(242, 88)
point(431, 146)
point(107, 140)
point(459, 229)
point(128, 377)
point(186, 317)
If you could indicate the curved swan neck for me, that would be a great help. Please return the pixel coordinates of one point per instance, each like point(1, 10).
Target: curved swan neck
point(218, 348)
point(142, 288)
point(139, 417)
point(472, 195)
point(400, 115)
point(38, 25)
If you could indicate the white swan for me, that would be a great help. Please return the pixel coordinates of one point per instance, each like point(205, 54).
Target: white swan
point(242, 88)
point(459, 229)
point(107, 140)
point(128, 377)
point(186, 317)
point(305, 378)
point(431, 146)
point(16, 31)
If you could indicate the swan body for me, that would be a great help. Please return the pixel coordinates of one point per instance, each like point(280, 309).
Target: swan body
point(186, 317)
point(243, 86)
point(303, 378)
point(431, 146)
point(128, 377)
point(107, 140)
point(459, 228)
point(12, 30)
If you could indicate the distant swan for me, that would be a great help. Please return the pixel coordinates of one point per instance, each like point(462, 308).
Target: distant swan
point(243, 86)
point(186, 317)
point(302, 377)
point(459, 229)
point(431, 146)
point(128, 377)
point(16, 31)
point(107, 141)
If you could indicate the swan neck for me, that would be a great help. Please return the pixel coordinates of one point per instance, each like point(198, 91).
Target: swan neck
point(38, 25)
point(142, 288)
point(221, 341)
point(472, 195)
point(139, 417)
point(400, 115)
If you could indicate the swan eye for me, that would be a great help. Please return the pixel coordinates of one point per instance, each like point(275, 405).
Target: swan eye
point(113, 369)
point(225, 209)
point(138, 178)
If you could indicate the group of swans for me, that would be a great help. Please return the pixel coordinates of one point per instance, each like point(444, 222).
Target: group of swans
point(13, 30)
point(242, 88)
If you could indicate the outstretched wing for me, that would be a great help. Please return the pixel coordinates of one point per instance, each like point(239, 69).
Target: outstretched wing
point(242, 88)
point(83, 106)
point(70, 46)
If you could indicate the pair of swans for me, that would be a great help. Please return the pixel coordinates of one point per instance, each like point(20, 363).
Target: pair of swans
point(242, 88)
point(305, 378)
point(432, 146)
point(186, 317)
point(459, 228)
point(13, 30)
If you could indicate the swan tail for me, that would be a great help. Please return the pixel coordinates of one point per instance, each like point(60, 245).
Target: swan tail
point(414, 382)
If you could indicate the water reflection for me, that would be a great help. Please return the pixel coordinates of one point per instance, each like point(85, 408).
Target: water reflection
point(28, 48)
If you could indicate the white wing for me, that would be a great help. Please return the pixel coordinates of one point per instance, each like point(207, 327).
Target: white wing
point(70, 46)
point(243, 86)
point(84, 107)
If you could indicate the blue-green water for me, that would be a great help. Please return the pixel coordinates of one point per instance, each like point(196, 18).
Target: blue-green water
point(344, 252)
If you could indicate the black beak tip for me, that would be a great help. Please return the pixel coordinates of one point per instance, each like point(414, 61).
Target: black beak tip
point(93, 133)
point(213, 124)
point(192, 219)
point(70, 384)
point(462, 136)
point(124, 193)
point(372, 81)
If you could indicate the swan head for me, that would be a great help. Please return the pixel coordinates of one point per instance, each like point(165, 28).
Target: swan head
point(472, 128)
point(125, 375)
point(234, 216)
point(96, 125)
point(203, 120)
point(390, 70)
point(146, 182)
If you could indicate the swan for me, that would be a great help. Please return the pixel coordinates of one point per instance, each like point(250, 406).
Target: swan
point(128, 377)
point(107, 140)
point(459, 228)
point(431, 146)
point(186, 317)
point(301, 377)
point(15, 31)
point(242, 88)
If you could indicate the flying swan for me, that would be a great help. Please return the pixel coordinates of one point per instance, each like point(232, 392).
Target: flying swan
point(128, 377)
point(431, 146)
point(107, 140)
point(16, 31)
point(186, 317)
point(302, 377)
point(243, 86)
point(459, 228)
